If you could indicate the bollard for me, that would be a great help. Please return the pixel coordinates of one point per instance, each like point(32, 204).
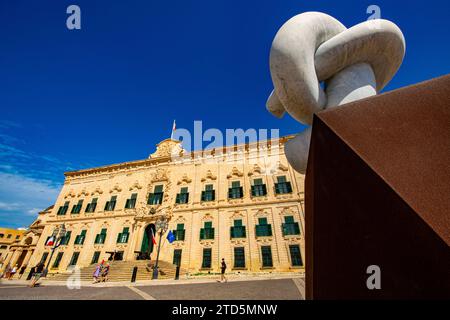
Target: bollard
point(133, 276)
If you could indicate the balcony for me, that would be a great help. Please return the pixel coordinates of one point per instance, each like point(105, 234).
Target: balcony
point(264, 230)
point(206, 233)
point(235, 193)
point(291, 229)
point(237, 232)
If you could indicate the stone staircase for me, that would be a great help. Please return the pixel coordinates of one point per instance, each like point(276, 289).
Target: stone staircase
point(123, 270)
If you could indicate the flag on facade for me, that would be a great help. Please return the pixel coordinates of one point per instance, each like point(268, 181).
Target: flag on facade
point(153, 237)
point(174, 127)
point(50, 241)
point(170, 236)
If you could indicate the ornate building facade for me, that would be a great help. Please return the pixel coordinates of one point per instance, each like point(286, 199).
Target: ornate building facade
point(243, 203)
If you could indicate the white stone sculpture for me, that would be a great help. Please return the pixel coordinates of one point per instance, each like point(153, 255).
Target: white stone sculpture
point(313, 48)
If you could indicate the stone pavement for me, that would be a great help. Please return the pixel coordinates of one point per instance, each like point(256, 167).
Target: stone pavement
point(244, 288)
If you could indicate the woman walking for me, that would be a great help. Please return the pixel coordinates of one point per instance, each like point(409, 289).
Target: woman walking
point(97, 272)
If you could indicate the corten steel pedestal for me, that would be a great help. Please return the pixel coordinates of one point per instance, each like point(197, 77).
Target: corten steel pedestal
point(378, 193)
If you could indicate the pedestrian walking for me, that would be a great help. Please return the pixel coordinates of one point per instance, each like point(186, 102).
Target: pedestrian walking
point(97, 272)
point(105, 272)
point(38, 270)
point(12, 272)
point(223, 268)
point(22, 271)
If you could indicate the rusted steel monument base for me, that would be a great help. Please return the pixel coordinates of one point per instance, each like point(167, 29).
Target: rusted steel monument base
point(378, 193)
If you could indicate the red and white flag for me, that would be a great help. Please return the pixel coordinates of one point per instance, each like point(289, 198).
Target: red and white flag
point(50, 241)
point(153, 237)
point(174, 127)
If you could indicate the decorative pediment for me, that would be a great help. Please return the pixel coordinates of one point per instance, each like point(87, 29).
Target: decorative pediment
point(70, 194)
point(260, 213)
point(83, 192)
point(167, 148)
point(255, 170)
point(237, 215)
point(97, 190)
point(278, 167)
point(135, 186)
point(234, 173)
point(160, 175)
point(209, 176)
point(207, 217)
point(116, 188)
point(184, 179)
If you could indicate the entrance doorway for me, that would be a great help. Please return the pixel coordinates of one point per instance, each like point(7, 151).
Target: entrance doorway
point(147, 242)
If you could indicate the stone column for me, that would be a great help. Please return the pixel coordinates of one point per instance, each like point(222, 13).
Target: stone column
point(27, 258)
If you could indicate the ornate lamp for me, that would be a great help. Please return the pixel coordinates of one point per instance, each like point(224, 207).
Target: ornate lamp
point(161, 225)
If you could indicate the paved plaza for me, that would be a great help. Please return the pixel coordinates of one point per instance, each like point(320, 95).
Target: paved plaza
point(249, 289)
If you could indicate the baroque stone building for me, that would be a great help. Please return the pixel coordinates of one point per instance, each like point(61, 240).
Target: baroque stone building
point(243, 203)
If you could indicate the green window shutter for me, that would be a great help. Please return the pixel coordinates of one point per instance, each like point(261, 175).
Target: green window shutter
point(208, 224)
point(239, 257)
point(184, 190)
point(158, 188)
point(119, 236)
point(235, 184)
point(262, 221)
point(206, 258)
point(257, 182)
point(296, 257)
point(238, 223)
point(180, 226)
point(125, 229)
point(208, 187)
point(202, 234)
point(289, 219)
point(266, 252)
point(134, 196)
point(103, 231)
point(281, 179)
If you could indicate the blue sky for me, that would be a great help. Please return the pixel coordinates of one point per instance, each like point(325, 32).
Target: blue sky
point(109, 92)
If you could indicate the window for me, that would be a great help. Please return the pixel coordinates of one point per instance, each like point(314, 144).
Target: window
point(177, 257)
point(266, 254)
point(238, 230)
point(258, 188)
point(263, 229)
point(74, 259)
point(131, 203)
point(58, 260)
point(123, 236)
point(95, 257)
point(209, 194)
point(79, 239)
point(66, 239)
point(282, 186)
point(91, 206)
point(9, 236)
point(17, 237)
point(44, 257)
point(183, 196)
point(157, 195)
point(77, 208)
point(290, 227)
point(179, 233)
point(207, 232)
point(100, 238)
point(2, 235)
point(235, 192)
point(296, 257)
point(111, 204)
point(206, 263)
point(63, 209)
point(239, 257)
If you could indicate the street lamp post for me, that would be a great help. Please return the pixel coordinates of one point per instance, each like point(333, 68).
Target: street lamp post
point(162, 225)
point(58, 233)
